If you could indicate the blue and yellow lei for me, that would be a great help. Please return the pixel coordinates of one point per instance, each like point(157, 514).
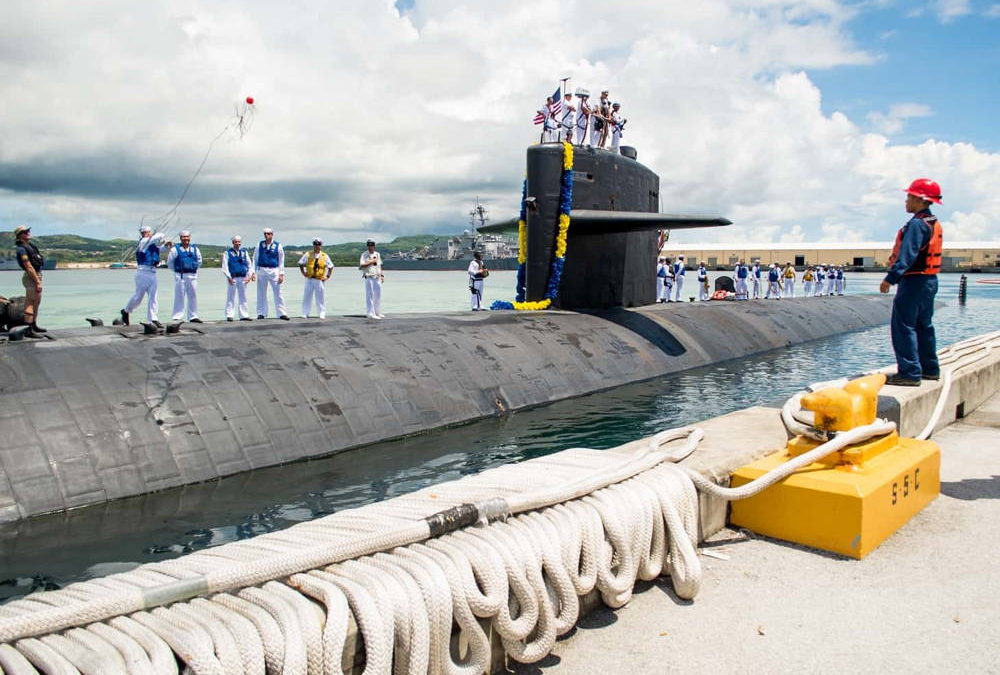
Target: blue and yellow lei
point(559, 255)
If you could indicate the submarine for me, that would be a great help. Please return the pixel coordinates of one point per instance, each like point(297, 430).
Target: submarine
point(107, 412)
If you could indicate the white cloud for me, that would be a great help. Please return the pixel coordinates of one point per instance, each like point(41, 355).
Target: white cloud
point(892, 122)
point(992, 12)
point(372, 121)
point(949, 10)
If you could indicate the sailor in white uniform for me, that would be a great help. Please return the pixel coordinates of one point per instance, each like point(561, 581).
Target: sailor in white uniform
point(372, 277)
point(839, 280)
point(773, 282)
point(316, 267)
point(831, 280)
point(550, 127)
point(185, 261)
point(583, 116)
point(477, 278)
point(741, 274)
point(601, 115)
point(661, 277)
point(237, 266)
point(788, 277)
point(616, 126)
point(567, 119)
point(808, 278)
point(678, 278)
point(820, 278)
point(147, 257)
point(269, 260)
point(755, 273)
point(702, 282)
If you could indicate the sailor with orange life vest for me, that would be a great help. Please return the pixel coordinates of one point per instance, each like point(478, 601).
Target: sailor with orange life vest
point(913, 268)
point(316, 267)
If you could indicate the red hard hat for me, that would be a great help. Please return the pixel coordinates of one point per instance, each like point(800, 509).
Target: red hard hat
point(925, 188)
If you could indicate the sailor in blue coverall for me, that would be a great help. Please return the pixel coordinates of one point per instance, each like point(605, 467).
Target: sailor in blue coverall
point(914, 265)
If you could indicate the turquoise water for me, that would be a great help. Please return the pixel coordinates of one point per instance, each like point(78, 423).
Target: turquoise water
point(71, 295)
point(89, 542)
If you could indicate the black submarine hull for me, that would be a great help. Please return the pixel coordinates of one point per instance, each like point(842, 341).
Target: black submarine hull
point(104, 413)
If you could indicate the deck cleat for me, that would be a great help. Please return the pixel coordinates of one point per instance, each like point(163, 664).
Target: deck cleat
point(852, 500)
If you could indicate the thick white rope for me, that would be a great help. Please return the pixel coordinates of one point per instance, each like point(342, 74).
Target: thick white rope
point(407, 590)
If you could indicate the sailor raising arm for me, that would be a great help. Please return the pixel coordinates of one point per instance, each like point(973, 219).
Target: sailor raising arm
point(147, 257)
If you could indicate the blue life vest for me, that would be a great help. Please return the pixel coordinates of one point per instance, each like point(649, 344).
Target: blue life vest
point(678, 269)
point(756, 271)
point(150, 257)
point(237, 262)
point(186, 262)
point(840, 274)
point(661, 271)
point(772, 274)
point(702, 273)
point(741, 271)
point(267, 256)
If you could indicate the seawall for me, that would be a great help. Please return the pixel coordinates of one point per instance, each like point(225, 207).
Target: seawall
point(105, 413)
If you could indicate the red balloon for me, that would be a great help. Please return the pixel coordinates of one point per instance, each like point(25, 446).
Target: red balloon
point(250, 100)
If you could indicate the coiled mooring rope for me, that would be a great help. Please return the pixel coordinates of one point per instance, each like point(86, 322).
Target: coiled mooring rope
point(512, 557)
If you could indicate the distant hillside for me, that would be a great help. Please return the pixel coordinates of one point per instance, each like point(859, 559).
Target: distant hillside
point(74, 248)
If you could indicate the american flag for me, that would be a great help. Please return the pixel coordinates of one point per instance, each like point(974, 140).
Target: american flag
point(556, 107)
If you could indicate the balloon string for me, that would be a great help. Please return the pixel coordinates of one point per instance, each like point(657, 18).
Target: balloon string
point(166, 216)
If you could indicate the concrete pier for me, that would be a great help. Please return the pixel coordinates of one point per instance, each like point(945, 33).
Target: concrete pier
point(105, 413)
point(924, 601)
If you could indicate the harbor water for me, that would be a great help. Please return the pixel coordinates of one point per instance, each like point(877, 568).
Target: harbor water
point(50, 551)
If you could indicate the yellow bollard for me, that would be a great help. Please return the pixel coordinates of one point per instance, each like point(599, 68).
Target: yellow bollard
point(852, 500)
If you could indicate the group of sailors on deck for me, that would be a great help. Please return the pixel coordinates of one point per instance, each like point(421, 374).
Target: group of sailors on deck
point(750, 280)
point(264, 264)
point(584, 122)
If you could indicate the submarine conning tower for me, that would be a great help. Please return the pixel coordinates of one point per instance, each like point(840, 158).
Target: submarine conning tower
point(611, 245)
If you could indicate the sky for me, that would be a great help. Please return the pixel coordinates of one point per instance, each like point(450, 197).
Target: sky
point(799, 121)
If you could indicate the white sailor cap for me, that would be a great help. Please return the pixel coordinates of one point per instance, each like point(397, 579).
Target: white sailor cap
point(370, 242)
point(317, 240)
point(268, 230)
point(581, 92)
point(185, 233)
point(237, 237)
point(145, 228)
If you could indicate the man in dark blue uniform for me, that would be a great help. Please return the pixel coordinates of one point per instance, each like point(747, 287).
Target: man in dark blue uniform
point(914, 266)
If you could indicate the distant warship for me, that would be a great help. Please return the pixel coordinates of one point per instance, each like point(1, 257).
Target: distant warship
point(612, 247)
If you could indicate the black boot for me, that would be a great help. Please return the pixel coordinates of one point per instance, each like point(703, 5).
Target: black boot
point(124, 318)
point(36, 328)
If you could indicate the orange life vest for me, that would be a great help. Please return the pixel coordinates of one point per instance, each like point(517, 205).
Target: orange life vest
point(929, 258)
